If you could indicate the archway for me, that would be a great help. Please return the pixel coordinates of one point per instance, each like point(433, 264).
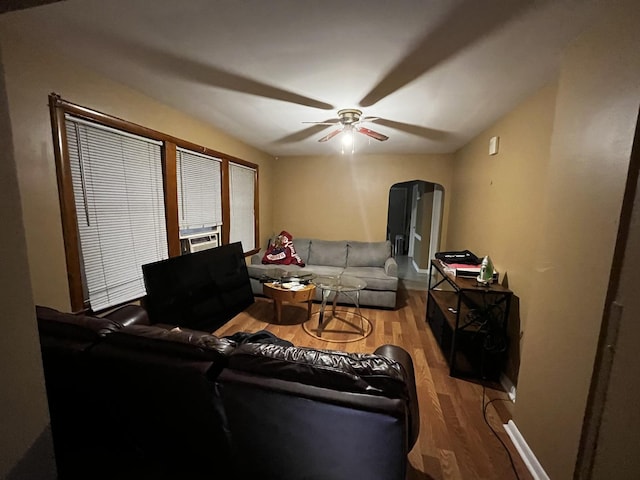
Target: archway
point(414, 221)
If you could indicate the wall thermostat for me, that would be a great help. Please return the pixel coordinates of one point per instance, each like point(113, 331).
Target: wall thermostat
point(493, 145)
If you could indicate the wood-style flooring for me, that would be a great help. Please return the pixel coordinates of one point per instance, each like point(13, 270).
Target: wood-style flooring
point(454, 442)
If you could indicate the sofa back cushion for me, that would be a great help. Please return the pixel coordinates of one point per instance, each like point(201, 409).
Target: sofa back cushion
point(292, 431)
point(330, 253)
point(71, 330)
point(159, 389)
point(368, 254)
point(302, 248)
point(348, 372)
point(177, 342)
point(66, 340)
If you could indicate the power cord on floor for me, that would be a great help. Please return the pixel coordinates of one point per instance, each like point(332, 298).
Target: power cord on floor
point(485, 405)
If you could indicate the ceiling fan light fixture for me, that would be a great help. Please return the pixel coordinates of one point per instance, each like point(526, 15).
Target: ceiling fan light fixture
point(347, 138)
point(349, 116)
point(350, 120)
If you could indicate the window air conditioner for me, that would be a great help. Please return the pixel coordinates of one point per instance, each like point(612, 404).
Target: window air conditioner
point(197, 244)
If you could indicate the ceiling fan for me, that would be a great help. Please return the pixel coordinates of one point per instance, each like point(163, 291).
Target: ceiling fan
point(349, 120)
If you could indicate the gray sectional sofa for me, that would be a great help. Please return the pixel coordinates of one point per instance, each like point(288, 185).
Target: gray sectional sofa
point(370, 261)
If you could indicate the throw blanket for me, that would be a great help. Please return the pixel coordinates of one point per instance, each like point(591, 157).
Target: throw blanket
point(282, 252)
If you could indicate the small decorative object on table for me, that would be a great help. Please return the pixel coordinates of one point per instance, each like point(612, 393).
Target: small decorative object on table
point(486, 272)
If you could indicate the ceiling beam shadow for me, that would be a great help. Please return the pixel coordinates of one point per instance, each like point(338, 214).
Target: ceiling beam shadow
point(196, 71)
point(464, 25)
point(11, 5)
point(303, 134)
point(424, 132)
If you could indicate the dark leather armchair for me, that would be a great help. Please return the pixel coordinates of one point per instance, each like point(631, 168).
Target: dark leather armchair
point(316, 414)
point(159, 386)
point(76, 409)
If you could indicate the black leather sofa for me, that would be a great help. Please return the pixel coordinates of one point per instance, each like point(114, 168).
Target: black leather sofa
point(133, 400)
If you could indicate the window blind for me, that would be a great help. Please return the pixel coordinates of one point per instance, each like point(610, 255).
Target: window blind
point(118, 190)
point(242, 185)
point(199, 190)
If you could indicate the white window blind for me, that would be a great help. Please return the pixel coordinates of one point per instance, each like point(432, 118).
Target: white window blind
point(242, 186)
point(117, 184)
point(199, 190)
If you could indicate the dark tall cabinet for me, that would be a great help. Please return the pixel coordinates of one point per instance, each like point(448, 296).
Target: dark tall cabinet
point(469, 322)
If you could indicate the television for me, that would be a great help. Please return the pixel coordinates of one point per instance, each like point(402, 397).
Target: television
point(201, 290)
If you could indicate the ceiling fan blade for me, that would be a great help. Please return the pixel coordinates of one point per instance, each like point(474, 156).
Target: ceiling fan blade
point(326, 122)
point(368, 119)
point(372, 134)
point(330, 135)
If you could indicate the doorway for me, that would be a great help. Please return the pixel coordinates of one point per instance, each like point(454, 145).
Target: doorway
point(611, 430)
point(414, 221)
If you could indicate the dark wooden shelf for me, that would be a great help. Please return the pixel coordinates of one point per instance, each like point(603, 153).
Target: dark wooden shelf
point(462, 314)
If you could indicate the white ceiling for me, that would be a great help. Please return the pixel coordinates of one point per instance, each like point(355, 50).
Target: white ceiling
point(435, 72)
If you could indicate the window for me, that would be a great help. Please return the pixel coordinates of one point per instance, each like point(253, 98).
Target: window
point(242, 187)
point(199, 192)
point(129, 193)
point(117, 186)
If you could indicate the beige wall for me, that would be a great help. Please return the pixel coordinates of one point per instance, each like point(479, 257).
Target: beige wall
point(497, 199)
point(24, 416)
point(32, 73)
point(596, 110)
point(497, 202)
point(347, 197)
point(546, 210)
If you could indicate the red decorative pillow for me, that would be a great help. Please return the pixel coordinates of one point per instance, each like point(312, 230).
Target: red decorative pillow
point(282, 252)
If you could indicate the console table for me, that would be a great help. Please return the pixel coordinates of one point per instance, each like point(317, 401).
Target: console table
point(469, 322)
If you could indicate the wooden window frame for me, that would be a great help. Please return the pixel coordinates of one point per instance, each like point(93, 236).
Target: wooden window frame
point(256, 246)
point(58, 108)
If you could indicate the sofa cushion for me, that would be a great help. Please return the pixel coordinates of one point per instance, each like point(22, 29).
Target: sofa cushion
point(328, 252)
point(129, 315)
point(155, 385)
point(352, 372)
point(323, 270)
point(175, 342)
point(368, 254)
point(375, 277)
point(302, 248)
point(71, 326)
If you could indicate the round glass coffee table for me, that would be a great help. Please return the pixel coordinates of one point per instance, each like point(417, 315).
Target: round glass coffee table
point(283, 275)
point(346, 322)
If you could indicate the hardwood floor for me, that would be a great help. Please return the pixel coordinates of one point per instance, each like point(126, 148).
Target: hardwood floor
point(454, 442)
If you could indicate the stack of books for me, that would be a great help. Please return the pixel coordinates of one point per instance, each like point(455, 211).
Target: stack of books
point(465, 270)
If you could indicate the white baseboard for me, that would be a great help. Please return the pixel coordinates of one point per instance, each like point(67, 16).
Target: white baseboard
point(508, 386)
point(529, 459)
